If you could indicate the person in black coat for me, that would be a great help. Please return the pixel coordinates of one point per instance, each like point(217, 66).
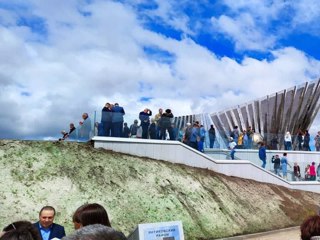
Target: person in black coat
point(153, 130)
point(106, 119)
point(144, 117)
point(165, 124)
point(276, 164)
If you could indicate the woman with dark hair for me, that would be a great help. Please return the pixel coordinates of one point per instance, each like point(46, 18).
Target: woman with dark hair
point(76, 218)
point(92, 213)
point(20, 230)
point(310, 228)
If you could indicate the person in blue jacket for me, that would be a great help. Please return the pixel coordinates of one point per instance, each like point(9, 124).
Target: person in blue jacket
point(117, 120)
point(263, 154)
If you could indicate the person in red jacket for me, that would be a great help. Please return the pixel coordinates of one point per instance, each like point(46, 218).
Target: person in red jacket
point(313, 171)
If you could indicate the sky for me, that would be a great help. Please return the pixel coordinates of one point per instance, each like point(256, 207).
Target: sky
point(61, 58)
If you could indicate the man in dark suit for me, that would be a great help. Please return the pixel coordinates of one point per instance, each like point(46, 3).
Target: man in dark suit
point(47, 229)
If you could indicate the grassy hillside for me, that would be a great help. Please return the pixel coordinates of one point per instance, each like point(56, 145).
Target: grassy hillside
point(139, 190)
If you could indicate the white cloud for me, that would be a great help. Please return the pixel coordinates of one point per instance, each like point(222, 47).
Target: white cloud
point(307, 13)
point(244, 31)
point(168, 13)
point(259, 25)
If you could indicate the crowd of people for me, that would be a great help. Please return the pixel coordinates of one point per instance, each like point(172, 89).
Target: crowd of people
point(82, 133)
point(160, 127)
point(301, 141)
point(280, 167)
point(90, 221)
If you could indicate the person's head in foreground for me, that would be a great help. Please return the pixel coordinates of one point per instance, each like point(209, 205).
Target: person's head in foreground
point(95, 232)
point(310, 228)
point(20, 230)
point(76, 218)
point(91, 213)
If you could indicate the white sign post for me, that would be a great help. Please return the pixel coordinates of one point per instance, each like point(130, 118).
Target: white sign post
point(158, 231)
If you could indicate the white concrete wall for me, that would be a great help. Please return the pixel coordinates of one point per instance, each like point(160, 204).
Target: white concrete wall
point(176, 152)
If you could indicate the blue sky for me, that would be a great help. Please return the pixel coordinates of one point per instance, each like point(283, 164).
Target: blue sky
point(61, 58)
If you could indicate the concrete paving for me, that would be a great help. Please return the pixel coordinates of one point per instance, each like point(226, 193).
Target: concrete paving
point(283, 234)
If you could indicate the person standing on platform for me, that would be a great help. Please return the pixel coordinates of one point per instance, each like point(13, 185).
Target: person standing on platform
point(250, 133)
point(313, 174)
point(117, 120)
point(165, 124)
point(287, 141)
point(276, 164)
point(284, 165)
point(125, 130)
point(317, 142)
point(300, 139)
point(201, 141)
point(144, 117)
point(306, 141)
point(263, 154)
point(85, 128)
point(212, 136)
point(232, 147)
point(157, 118)
point(194, 136)
point(153, 129)
point(296, 172)
point(106, 119)
point(318, 172)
